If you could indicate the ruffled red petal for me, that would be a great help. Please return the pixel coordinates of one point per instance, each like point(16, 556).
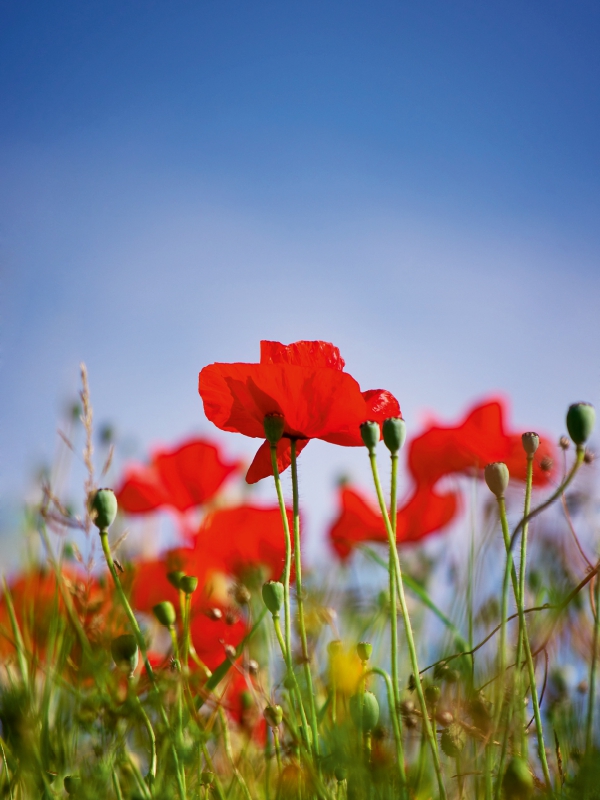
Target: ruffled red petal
point(261, 464)
point(302, 354)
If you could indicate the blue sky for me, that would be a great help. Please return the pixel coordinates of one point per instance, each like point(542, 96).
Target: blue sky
point(417, 182)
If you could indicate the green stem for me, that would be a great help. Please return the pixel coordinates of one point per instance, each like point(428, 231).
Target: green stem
point(288, 554)
point(392, 583)
point(502, 646)
point(300, 601)
point(290, 671)
point(19, 644)
point(528, 656)
point(589, 731)
point(518, 695)
point(142, 648)
point(395, 723)
point(408, 628)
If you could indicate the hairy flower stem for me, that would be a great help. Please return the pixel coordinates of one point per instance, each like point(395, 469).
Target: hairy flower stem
point(290, 671)
point(589, 729)
point(502, 646)
point(528, 656)
point(300, 601)
point(518, 695)
point(288, 557)
point(392, 581)
point(142, 648)
point(408, 628)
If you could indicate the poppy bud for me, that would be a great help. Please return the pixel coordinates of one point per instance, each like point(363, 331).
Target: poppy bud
point(165, 613)
point(273, 716)
point(369, 432)
point(580, 421)
point(103, 508)
point(531, 442)
point(175, 577)
point(125, 652)
point(274, 425)
point(188, 584)
point(207, 778)
point(72, 784)
point(340, 774)
point(517, 781)
point(364, 650)
point(496, 477)
point(394, 433)
point(334, 647)
point(272, 594)
point(370, 710)
point(432, 694)
point(445, 718)
point(453, 740)
point(564, 443)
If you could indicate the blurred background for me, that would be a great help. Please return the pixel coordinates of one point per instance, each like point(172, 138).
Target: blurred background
point(416, 182)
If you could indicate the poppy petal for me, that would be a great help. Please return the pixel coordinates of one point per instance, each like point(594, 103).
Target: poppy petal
point(261, 464)
point(302, 354)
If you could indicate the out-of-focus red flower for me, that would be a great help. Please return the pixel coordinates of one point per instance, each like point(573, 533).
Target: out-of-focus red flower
point(480, 438)
point(210, 635)
point(424, 513)
point(305, 382)
point(241, 705)
point(236, 539)
point(183, 478)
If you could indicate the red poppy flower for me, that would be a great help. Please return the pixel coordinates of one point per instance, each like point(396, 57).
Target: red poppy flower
point(477, 440)
point(306, 384)
point(424, 513)
point(210, 635)
point(183, 478)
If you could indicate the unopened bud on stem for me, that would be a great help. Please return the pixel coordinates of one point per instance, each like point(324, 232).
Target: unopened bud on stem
point(531, 442)
point(165, 613)
point(273, 594)
point(394, 434)
point(580, 422)
point(103, 508)
point(369, 432)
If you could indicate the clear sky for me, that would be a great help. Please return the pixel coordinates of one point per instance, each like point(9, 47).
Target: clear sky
point(417, 182)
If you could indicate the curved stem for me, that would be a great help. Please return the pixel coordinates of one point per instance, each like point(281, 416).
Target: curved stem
point(290, 672)
point(392, 582)
point(288, 554)
point(528, 656)
point(408, 628)
point(395, 724)
point(554, 496)
point(518, 695)
point(142, 647)
point(300, 601)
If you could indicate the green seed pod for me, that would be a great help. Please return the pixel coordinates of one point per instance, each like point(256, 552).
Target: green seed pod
point(125, 652)
point(497, 477)
point(394, 434)
point(103, 508)
point(580, 422)
point(364, 650)
point(289, 682)
point(517, 781)
point(165, 613)
point(273, 594)
point(531, 442)
point(274, 426)
point(340, 774)
point(246, 700)
point(207, 778)
point(174, 577)
point(432, 694)
point(273, 716)
point(370, 710)
point(334, 647)
point(188, 584)
point(72, 784)
point(453, 740)
point(369, 432)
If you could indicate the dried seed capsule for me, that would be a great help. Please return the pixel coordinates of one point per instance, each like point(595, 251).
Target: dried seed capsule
point(531, 442)
point(103, 508)
point(364, 650)
point(580, 422)
point(497, 477)
point(453, 740)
